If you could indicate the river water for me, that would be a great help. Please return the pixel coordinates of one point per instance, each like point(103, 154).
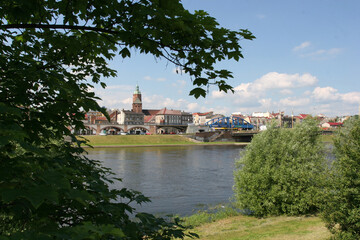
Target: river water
point(178, 180)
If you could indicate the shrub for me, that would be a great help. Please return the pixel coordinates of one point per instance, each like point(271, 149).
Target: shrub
point(342, 209)
point(282, 171)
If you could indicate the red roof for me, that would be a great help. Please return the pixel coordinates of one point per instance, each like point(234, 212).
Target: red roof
point(302, 116)
point(165, 111)
point(148, 118)
point(202, 114)
point(150, 112)
point(335, 123)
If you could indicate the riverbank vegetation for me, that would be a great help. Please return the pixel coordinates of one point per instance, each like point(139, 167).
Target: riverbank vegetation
point(270, 228)
point(53, 54)
point(282, 171)
point(119, 140)
point(139, 140)
point(228, 222)
point(341, 209)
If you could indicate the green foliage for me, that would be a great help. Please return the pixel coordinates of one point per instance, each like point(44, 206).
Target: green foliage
point(213, 214)
point(51, 54)
point(92, 31)
point(282, 171)
point(342, 209)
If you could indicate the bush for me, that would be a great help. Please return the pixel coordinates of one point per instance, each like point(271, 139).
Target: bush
point(342, 209)
point(282, 171)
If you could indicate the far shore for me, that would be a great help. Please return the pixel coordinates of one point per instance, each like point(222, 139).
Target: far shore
point(170, 145)
point(119, 141)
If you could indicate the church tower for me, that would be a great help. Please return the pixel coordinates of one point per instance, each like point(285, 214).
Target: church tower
point(137, 104)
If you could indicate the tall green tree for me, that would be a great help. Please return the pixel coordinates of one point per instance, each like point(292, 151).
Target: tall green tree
point(282, 171)
point(49, 49)
point(341, 211)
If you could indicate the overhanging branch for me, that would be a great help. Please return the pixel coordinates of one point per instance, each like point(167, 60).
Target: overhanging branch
point(56, 26)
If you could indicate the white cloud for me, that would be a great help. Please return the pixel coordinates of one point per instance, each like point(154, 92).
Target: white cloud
point(275, 80)
point(323, 53)
point(325, 94)
point(266, 103)
point(192, 107)
point(179, 83)
point(256, 95)
point(123, 88)
point(307, 93)
point(127, 101)
point(351, 97)
point(286, 92)
point(302, 46)
point(293, 102)
point(335, 103)
point(218, 94)
point(148, 78)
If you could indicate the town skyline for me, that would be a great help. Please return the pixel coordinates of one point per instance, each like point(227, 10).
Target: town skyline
point(254, 113)
point(304, 60)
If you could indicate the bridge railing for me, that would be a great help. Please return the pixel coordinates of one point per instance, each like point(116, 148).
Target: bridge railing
point(226, 123)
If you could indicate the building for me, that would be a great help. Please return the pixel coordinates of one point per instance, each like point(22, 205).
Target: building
point(135, 116)
point(172, 117)
point(138, 120)
point(199, 119)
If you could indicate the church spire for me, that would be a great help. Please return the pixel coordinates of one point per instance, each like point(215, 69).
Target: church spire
point(137, 91)
point(137, 104)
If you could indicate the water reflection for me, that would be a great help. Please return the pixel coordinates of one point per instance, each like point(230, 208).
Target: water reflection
point(177, 179)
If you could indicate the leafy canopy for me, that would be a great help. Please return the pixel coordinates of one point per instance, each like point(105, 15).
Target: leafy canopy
point(282, 171)
point(51, 52)
point(98, 30)
point(342, 209)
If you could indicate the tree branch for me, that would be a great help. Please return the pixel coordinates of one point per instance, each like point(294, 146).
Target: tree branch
point(55, 26)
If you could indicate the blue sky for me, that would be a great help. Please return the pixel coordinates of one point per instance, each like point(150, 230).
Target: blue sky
point(305, 59)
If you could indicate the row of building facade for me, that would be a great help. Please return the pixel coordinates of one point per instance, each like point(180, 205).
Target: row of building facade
point(170, 121)
point(138, 120)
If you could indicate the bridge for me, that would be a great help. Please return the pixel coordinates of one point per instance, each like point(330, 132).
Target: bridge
point(229, 123)
point(114, 128)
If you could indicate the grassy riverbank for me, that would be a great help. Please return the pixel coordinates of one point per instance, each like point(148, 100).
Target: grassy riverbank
point(139, 140)
point(247, 227)
point(225, 222)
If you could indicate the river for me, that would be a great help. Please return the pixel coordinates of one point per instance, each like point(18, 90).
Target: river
point(178, 180)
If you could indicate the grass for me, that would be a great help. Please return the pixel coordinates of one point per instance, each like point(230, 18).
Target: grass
point(137, 140)
point(129, 140)
point(213, 214)
point(225, 222)
point(327, 138)
point(119, 140)
point(252, 228)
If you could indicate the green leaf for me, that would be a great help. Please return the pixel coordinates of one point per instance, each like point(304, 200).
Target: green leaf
point(197, 92)
point(103, 85)
point(125, 52)
point(201, 81)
